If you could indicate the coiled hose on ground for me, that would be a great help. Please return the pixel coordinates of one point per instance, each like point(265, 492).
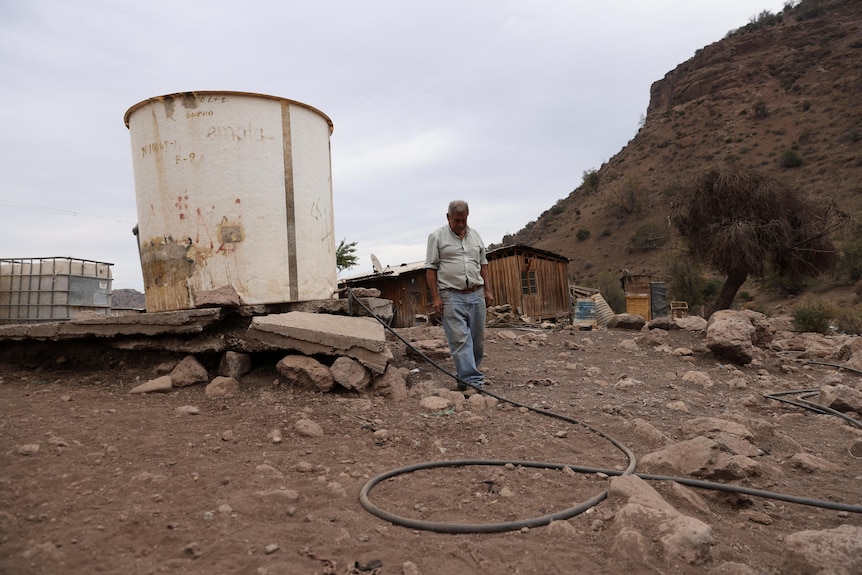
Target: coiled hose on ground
point(441, 527)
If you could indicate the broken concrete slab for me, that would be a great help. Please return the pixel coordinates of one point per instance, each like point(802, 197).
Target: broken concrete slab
point(361, 338)
point(172, 322)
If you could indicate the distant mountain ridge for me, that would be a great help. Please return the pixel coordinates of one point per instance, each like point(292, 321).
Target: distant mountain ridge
point(127, 299)
point(782, 95)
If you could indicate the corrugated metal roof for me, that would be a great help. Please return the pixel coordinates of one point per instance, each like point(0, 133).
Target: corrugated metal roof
point(388, 271)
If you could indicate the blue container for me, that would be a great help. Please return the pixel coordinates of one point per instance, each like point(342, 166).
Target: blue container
point(585, 311)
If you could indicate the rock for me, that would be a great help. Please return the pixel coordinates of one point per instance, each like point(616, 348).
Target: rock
point(628, 345)
point(653, 338)
point(234, 364)
point(188, 372)
point(350, 374)
point(855, 361)
point(187, 410)
point(758, 517)
point(830, 551)
point(28, 449)
point(648, 434)
point(632, 546)
point(689, 497)
point(410, 568)
point(811, 463)
point(764, 332)
point(275, 436)
point(159, 384)
point(434, 404)
point(699, 378)
point(849, 348)
point(381, 436)
point(224, 296)
point(437, 349)
point(711, 426)
point(664, 323)
point(691, 323)
point(221, 386)
point(57, 441)
point(645, 512)
point(729, 335)
point(631, 321)
point(304, 371)
point(392, 384)
point(477, 402)
point(700, 457)
point(811, 345)
point(278, 495)
point(841, 398)
point(308, 428)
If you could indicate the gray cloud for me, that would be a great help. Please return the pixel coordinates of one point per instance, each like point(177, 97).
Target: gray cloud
point(502, 103)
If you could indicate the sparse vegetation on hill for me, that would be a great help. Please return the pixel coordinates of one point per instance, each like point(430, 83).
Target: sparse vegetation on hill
point(779, 95)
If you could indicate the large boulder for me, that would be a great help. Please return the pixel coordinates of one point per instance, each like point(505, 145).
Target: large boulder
point(304, 371)
point(350, 374)
point(834, 551)
point(647, 520)
point(189, 371)
point(730, 335)
point(627, 321)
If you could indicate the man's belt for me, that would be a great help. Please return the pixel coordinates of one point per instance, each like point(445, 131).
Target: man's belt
point(468, 290)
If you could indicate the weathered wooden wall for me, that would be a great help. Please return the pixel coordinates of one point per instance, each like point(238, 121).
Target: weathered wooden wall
point(534, 283)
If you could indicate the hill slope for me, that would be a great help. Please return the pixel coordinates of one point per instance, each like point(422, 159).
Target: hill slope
point(782, 90)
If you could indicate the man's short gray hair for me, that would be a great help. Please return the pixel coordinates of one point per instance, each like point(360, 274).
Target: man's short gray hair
point(458, 207)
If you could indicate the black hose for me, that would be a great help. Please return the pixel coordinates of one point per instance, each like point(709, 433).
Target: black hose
point(801, 401)
point(441, 527)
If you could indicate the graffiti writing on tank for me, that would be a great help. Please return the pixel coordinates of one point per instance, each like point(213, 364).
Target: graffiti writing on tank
point(204, 99)
point(156, 147)
point(188, 158)
point(237, 133)
point(192, 114)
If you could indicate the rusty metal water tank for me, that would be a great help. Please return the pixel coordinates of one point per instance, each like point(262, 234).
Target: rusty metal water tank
point(232, 189)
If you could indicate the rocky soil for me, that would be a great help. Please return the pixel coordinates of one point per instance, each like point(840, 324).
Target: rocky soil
point(98, 480)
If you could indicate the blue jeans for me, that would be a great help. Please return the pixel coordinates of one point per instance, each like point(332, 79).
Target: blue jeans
point(464, 326)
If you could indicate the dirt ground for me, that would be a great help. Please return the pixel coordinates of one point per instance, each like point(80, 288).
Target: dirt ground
point(130, 484)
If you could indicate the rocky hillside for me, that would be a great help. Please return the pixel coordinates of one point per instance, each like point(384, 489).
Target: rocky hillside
point(780, 95)
point(127, 299)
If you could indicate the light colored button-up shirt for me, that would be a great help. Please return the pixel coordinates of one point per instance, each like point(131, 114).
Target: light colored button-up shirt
point(458, 262)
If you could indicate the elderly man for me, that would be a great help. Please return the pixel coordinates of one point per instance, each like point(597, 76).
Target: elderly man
point(457, 273)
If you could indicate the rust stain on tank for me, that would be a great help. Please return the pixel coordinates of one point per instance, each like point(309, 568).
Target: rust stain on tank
point(229, 235)
point(166, 265)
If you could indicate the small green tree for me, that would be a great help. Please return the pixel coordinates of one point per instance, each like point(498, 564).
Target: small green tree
point(345, 255)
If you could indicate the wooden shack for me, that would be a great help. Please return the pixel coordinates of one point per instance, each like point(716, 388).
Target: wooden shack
point(644, 297)
point(404, 286)
point(533, 281)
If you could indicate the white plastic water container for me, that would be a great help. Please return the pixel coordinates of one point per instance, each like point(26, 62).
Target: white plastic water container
point(232, 189)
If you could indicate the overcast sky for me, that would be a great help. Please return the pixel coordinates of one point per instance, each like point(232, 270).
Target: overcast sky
point(503, 103)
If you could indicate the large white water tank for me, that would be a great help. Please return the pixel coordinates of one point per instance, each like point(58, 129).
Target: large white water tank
point(232, 189)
